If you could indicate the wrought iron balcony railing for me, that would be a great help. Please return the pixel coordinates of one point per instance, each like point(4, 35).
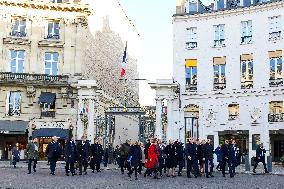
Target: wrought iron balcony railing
point(52, 36)
point(191, 87)
point(246, 39)
point(33, 79)
point(274, 35)
point(219, 43)
point(191, 45)
point(233, 117)
point(276, 82)
point(219, 85)
point(18, 34)
point(276, 117)
point(247, 84)
point(48, 114)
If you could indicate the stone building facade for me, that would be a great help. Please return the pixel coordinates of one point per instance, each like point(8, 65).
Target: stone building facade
point(60, 68)
point(228, 74)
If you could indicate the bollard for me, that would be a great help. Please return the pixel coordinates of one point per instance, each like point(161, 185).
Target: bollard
point(269, 163)
point(247, 164)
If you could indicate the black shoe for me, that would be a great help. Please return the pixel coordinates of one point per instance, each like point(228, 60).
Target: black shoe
point(224, 175)
point(129, 175)
point(73, 174)
point(207, 176)
point(253, 171)
point(29, 172)
point(93, 171)
point(52, 173)
point(85, 173)
point(232, 176)
point(195, 176)
point(67, 174)
point(136, 178)
point(145, 174)
point(34, 170)
point(211, 175)
point(266, 171)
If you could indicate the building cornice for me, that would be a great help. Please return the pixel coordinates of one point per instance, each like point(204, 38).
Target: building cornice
point(229, 12)
point(63, 7)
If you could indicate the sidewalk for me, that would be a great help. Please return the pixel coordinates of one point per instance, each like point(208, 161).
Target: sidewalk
point(276, 169)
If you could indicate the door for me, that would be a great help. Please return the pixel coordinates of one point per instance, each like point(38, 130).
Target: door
point(278, 150)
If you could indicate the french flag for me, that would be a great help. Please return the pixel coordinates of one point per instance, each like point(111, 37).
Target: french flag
point(124, 62)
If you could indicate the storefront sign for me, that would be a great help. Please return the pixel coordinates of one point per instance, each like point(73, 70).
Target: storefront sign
point(4, 132)
point(61, 125)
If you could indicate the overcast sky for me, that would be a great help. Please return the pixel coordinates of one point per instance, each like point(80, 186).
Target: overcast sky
point(153, 19)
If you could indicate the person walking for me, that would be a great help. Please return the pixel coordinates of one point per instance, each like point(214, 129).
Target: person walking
point(201, 156)
point(233, 155)
point(70, 156)
point(208, 154)
point(162, 157)
point(142, 161)
point(124, 153)
point(32, 154)
point(260, 157)
point(135, 156)
point(83, 149)
point(106, 155)
point(180, 157)
point(225, 156)
point(171, 160)
point(116, 155)
point(152, 163)
point(15, 155)
point(53, 152)
point(192, 158)
point(97, 153)
point(219, 155)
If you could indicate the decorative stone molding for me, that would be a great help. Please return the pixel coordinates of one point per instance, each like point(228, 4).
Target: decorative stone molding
point(31, 91)
point(16, 41)
point(255, 114)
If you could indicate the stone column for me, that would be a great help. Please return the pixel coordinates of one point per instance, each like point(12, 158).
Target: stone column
point(158, 129)
point(251, 152)
point(265, 139)
point(80, 127)
point(171, 130)
point(91, 125)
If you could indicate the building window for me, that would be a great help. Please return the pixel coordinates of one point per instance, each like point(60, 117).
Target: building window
point(246, 71)
point(246, 32)
point(274, 27)
point(17, 59)
point(56, 1)
point(191, 74)
point(219, 65)
point(19, 28)
point(219, 35)
point(14, 104)
point(51, 63)
point(275, 62)
point(47, 104)
point(53, 30)
point(192, 43)
point(275, 111)
point(234, 111)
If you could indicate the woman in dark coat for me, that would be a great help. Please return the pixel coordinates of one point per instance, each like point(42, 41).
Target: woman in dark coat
point(219, 155)
point(15, 154)
point(134, 158)
point(171, 160)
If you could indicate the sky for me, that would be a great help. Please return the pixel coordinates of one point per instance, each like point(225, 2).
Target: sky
point(153, 20)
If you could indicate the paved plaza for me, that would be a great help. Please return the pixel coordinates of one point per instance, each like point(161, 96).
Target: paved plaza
point(112, 179)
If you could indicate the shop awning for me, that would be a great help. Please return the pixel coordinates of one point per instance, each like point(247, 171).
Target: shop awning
point(13, 127)
point(50, 132)
point(47, 98)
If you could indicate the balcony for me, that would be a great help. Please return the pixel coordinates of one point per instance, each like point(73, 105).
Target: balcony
point(219, 85)
point(246, 39)
point(53, 36)
point(276, 82)
point(233, 117)
point(274, 35)
point(25, 79)
point(276, 117)
point(18, 34)
point(48, 114)
point(246, 84)
point(219, 43)
point(191, 87)
point(191, 45)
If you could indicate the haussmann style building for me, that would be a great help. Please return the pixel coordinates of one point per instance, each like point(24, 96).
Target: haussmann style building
point(60, 64)
point(227, 74)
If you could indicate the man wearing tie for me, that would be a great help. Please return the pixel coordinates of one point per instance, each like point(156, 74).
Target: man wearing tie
point(53, 152)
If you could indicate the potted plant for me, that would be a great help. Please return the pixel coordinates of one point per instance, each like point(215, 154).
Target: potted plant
point(282, 160)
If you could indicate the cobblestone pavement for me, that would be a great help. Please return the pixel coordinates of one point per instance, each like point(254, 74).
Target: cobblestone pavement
point(112, 179)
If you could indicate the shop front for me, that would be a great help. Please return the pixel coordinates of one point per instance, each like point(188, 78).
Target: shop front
point(45, 135)
point(277, 144)
point(12, 132)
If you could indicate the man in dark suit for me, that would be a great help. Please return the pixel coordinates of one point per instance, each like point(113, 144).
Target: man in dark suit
point(192, 158)
point(260, 157)
point(225, 156)
point(233, 158)
point(83, 149)
point(70, 156)
point(53, 152)
point(208, 153)
point(97, 153)
point(32, 154)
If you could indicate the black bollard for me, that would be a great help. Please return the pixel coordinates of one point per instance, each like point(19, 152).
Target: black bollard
point(269, 163)
point(247, 163)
